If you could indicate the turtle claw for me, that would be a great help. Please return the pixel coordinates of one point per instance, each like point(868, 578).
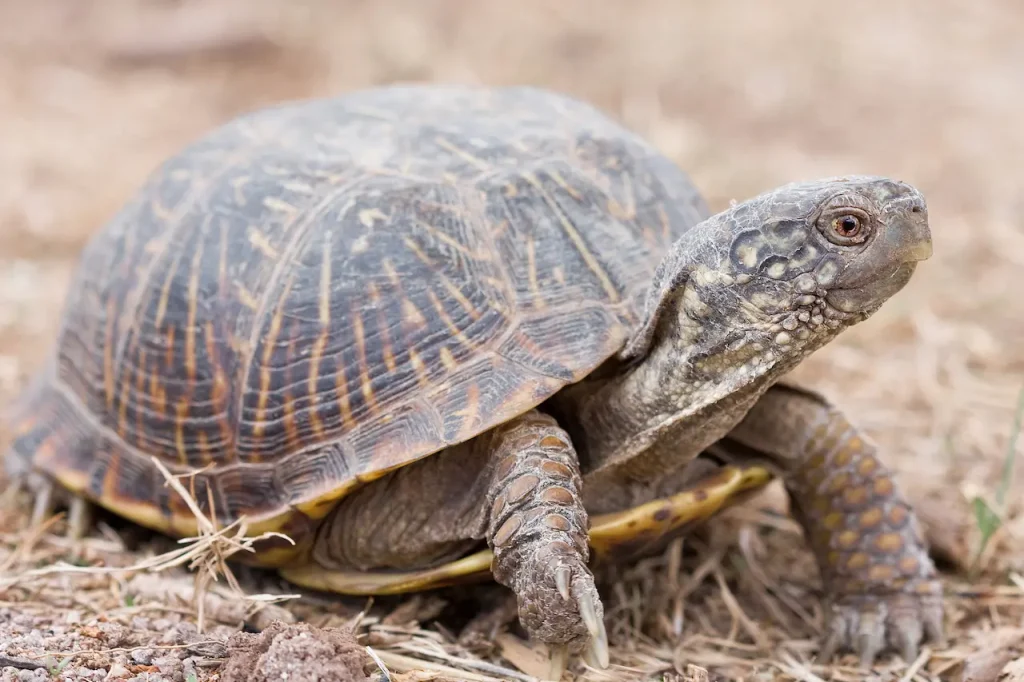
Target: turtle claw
point(45, 502)
point(563, 574)
point(79, 517)
point(596, 651)
point(867, 625)
point(558, 662)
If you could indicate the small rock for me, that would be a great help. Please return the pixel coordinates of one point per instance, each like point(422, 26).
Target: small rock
point(143, 656)
point(118, 672)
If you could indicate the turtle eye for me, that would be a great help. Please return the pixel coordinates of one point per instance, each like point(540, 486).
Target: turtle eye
point(845, 226)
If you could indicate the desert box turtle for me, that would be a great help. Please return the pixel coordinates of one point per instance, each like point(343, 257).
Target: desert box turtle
point(428, 331)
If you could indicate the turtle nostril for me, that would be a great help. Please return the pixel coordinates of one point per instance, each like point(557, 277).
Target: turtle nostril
point(916, 208)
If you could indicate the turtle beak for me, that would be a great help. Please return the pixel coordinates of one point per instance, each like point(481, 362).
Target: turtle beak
point(908, 237)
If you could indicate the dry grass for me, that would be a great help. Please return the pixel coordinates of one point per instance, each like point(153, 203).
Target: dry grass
point(746, 96)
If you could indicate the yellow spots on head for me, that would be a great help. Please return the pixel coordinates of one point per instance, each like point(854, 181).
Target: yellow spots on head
point(898, 515)
point(839, 483)
point(510, 190)
point(747, 254)
point(833, 521)
point(909, 565)
point(776, 270)
point(881, 572)
point(855, 497)
point(857, 561)
point(889, 542)
point(259, 241)
point(883, 486)
point(867, 465)
point(447, 359)
point(847, 539)
point(871, 518)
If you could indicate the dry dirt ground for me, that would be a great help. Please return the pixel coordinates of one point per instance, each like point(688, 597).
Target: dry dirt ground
point(745, 95)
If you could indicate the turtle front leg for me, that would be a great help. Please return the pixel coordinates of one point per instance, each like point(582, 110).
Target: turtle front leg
point(537, 529)
point(880, 583)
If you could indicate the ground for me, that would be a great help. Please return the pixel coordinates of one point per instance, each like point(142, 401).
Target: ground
point(745, 96)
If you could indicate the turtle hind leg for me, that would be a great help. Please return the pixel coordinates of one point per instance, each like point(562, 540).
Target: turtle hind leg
point(48, 439)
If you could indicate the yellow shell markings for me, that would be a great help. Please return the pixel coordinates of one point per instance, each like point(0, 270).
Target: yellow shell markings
point(324, 318)
point(447, 144)
point(655, 518)
point(256, 299)
point(269, 342)
point(577, 240)
point(358, 332)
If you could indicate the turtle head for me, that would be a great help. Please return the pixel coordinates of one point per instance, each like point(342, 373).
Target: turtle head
point(792, 266)
point(850, 243)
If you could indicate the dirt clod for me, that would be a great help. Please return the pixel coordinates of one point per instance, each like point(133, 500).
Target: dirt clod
point(295, 652)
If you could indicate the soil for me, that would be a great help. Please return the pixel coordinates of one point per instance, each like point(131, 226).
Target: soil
point(295, 652)
point(745, 96)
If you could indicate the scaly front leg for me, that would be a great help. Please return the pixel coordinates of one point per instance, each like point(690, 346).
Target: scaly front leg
point(537, 530)
point(880, 582)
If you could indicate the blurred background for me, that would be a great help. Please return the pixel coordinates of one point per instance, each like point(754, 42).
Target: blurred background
point(744, 95)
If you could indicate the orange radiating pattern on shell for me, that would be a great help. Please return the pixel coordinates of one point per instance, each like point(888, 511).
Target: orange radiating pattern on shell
point(316, 293)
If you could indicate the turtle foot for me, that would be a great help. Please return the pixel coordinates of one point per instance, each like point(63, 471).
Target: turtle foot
point(47, 496)
point(868, 624)
point(559, 604)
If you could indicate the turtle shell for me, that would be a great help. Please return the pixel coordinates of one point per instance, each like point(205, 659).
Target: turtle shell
point(320, 292)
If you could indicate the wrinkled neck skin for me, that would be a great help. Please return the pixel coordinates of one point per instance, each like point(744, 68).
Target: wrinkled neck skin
point(721, 339)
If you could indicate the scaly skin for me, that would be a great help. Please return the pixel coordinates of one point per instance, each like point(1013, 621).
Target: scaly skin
point(880, 583)
point(537, 529)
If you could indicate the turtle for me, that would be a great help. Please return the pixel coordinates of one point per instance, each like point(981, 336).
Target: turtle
point(429, 332)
